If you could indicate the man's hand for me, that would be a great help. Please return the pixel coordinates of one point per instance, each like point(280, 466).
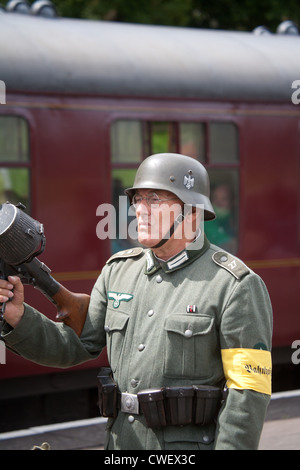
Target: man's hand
point(12, 292)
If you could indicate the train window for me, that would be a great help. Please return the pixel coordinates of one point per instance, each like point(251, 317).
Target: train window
point(126, 141)
point(14, 185)
point(223, 142)
point(14, 161)
point(223, 230)
point(121, 179)
point(162, 137)
point(192, 139)
point(14, 141)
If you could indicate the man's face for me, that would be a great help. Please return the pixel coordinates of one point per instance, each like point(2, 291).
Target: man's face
point(155, 215)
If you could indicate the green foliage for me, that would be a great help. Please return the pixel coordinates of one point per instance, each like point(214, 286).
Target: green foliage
point(168, 12)
point(244, 15)
point(219, 14)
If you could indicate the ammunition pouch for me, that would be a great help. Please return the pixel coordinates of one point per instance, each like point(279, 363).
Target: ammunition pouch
point(152, 406)
point(179, 406)
point(107, 393)
point(208, 401)
point(167, 406)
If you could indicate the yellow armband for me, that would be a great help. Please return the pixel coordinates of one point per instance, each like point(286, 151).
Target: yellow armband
point(248, 369)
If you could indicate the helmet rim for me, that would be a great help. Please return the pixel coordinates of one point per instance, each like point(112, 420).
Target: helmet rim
point(179, 174)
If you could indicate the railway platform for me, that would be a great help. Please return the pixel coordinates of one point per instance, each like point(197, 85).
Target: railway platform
point(281, 430)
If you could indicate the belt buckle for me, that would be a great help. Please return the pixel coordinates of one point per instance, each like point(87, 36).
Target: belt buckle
point(129, 403)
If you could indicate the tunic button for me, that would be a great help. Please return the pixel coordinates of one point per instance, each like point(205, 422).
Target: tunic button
point(131, 419)
point(106, 329)
point(223, 259)
point(205, 439)
point(150, 313)
point(188, 333)
point(141, 347)
point(158, 279)
point(133, 383)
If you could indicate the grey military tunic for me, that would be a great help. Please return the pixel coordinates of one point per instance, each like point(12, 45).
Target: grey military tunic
point(202, 317)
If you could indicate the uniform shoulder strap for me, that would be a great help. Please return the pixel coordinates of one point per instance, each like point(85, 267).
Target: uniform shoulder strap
point(232, 264)
point(130, 253)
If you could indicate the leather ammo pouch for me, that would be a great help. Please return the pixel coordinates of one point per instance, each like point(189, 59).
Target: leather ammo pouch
point(179, 406)
point(107, 393)
point(207, 403)
point(152, 406)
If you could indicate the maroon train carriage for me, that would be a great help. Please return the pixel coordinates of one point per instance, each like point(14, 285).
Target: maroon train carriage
point(86, 101)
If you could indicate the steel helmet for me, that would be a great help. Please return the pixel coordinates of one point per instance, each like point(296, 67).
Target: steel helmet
point(181, 175)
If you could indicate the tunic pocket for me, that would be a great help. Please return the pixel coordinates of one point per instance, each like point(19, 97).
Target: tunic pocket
point(115, 327)
point(189, 438)
point(189, 344)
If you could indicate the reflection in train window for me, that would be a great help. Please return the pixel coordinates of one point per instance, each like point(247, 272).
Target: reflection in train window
point(192, 140)
point(223, 142)
point(14, 161)
point(14, 141)
point(223, 230)
point(121, 179)
point(126, 142)
point(215, 144)
point(162, 137)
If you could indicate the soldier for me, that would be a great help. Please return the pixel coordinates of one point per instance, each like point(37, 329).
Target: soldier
point(180, 318)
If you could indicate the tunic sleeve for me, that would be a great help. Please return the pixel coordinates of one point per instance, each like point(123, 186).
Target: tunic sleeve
point(54, 344)
point(245, 338)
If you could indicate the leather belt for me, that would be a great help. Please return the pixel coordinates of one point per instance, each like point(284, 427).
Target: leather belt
point(195, 404)
point(166, 406)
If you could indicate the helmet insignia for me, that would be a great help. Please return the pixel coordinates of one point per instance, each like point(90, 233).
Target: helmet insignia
point(188, 181)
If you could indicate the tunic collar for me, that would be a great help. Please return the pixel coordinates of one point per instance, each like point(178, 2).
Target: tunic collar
point(193, 251)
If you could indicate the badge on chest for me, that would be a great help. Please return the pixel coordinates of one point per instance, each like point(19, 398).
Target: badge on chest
point(118, 297)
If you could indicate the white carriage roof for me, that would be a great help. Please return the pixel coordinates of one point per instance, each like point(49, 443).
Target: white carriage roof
point(115, 59)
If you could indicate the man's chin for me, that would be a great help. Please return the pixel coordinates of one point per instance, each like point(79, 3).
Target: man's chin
point(147, 242)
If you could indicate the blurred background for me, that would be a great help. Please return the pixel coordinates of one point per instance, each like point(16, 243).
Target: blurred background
point(218, 14)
